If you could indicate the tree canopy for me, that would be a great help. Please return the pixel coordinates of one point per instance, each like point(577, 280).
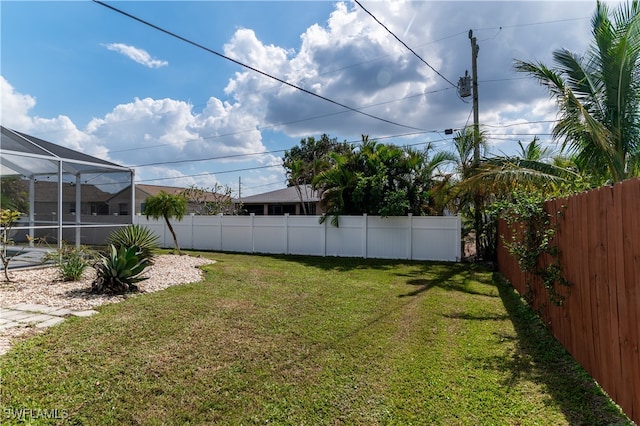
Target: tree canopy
point(379, 179)
point(598, 95)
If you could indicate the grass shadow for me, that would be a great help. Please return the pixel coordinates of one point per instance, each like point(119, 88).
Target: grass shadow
point(474, 317)
point(451, 277)
point(538, 356)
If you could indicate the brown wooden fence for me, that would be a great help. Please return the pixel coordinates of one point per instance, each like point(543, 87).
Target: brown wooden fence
point(598, 235)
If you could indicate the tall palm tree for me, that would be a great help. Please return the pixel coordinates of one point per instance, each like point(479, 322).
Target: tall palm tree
point(598, 94)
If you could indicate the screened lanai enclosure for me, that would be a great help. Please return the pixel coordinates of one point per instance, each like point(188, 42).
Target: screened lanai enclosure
point(63, 195)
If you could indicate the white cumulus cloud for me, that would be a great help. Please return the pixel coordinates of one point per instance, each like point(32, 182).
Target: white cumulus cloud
point(140, 56)
point(14, 106)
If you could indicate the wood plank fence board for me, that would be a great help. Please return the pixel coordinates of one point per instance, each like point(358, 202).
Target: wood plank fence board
point(631, 223)
point(624, 307)
point(583, 285)
point(613, 228)
point(605, 316)
point(570, 247)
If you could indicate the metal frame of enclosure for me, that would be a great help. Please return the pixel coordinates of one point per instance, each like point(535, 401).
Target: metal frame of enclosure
point(65, 192)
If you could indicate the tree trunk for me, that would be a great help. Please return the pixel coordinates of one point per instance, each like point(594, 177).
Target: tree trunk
point(173, 234)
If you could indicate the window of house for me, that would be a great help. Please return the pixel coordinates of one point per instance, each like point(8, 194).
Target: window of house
point(311, 209)
point(280, 209)
point(98, 208)
point(123, 209)
point(257, 210)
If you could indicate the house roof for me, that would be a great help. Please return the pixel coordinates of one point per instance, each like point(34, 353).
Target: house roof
point(47, 191)
point(153, 190)
point(27, 155)
point(289, 194)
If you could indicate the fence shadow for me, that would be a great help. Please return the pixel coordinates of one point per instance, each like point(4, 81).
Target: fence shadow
point(540, 357)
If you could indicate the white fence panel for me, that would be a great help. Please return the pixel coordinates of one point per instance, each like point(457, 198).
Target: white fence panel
point(410, 237)
point(183, 230)
point(207, 232)
point(389, 237)
point(306, 236)
point(435, 238)
point(237, 234)
point(270, 234)
point(348, 239)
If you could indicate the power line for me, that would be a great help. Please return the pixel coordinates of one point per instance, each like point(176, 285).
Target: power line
point(523, 123)
point(225, 157)
point(442, 140)
point(279, 124)
point(212, 173)
point(405, 45)
point(533, 23)
point(200, 46)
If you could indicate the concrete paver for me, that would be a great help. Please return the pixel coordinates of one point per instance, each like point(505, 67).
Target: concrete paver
point(50, 322)
point(87, 313)
point(40, 316)
point(9, 325)
point(16, 315)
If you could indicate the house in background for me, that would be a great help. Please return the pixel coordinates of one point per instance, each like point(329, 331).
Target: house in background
point(281, 201)
point(93, 201)
point(120, 203)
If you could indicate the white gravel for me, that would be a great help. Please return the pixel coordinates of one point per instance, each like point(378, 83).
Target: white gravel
point(42, 286)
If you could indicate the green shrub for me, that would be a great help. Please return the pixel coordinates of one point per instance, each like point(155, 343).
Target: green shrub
point(135, 235)
point(119, 270)
point(71, 261)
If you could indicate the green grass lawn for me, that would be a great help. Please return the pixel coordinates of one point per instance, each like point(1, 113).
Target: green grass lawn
point(307, 341)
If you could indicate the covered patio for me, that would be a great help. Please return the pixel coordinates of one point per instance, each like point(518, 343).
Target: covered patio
point(63, 194)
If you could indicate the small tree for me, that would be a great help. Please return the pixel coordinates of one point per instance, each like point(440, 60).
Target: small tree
point(211, 201)
point(7, 219)
point(167, 206)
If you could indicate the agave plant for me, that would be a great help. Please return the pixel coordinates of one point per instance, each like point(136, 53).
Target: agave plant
point(118, 271)
point(135, 235)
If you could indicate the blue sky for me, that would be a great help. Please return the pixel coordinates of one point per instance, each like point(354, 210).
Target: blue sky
point(83, 76)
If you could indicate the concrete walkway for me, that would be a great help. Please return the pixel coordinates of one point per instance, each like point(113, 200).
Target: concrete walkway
point(39, 316)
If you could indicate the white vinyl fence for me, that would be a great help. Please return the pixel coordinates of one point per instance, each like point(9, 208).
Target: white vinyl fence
point(405, 237)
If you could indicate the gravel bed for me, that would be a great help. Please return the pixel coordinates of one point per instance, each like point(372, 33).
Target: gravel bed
point(43, 286)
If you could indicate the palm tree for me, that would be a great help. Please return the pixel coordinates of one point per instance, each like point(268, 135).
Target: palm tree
point(166, 206)
point(379, 179)
point(295, 175)
point(466, 195)
point(336, 185)
point(598, 94)
point(534, 151)
point(425, 180)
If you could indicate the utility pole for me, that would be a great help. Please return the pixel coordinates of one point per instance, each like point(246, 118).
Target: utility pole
point(474, 78)
point(477, 202)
